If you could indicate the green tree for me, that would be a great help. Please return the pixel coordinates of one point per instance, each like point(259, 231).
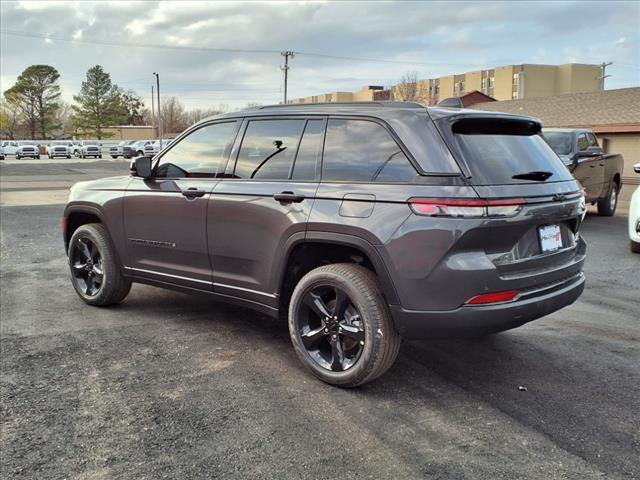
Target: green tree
point(133, 107)
point(98, 104)
point(35, 95)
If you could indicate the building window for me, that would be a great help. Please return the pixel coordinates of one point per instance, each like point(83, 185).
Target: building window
point(459, 88)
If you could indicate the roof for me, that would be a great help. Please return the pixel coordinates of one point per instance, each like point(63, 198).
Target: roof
point(474, 97)
point(605, 108)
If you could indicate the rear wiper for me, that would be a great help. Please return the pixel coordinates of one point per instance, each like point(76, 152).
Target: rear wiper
point(535, 175)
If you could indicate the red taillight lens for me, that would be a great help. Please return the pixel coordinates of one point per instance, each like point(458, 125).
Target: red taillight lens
point(498, 297)
point(466, 208)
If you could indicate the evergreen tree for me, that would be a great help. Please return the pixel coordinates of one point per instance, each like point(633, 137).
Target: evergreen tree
point(98, 104)
point(36, 95)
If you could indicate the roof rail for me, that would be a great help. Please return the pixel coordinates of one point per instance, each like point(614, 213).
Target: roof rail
point(389, 104)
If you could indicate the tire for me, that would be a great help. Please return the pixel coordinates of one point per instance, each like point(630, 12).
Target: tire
point(362, 355)
point(634, 246)
point(607, 205)
point(98, 289)
point(37, 157)
point(68, 156)
point(17, 157)
point(99, 156)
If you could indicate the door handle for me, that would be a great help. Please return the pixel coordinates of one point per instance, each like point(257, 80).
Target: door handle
point(288, 197)
point(193, 192)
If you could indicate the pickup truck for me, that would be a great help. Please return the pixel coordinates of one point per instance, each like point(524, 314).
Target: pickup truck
point(599, 173)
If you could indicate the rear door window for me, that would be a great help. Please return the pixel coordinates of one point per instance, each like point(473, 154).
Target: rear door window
point(363, 151)
point(501, 152)
point(305, 165)
point(583, 143)
point(268, 149)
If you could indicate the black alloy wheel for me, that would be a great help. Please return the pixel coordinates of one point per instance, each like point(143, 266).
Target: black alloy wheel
point(87, 266)
point(331, 328)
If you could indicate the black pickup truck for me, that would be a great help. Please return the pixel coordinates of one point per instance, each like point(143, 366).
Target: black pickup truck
point(599, 173)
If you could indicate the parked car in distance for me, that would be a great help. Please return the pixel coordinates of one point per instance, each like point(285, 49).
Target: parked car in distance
point(153, 148)
point(91, 149)
point(1, 152)
point(10, 147)
point(60, 148)
point(27, 149)
point(634, 216)
point(135, 149)
point(599, 173)
point(117, 150)
point(352, 220)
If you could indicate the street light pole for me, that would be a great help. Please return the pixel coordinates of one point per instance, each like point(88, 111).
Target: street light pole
point(285, 69)
point(603, 67)
point(159, 110)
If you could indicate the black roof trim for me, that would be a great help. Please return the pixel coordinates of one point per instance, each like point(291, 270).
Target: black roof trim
point(388, 104)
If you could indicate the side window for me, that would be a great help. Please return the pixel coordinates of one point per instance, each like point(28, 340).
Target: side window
point(592, 140)
point(363, 151)
point(583, 143)
point(268, 149)
point(201, 154)
point(309, 151)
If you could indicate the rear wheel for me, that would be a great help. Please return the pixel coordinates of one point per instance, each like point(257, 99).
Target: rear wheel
point(634, 246)
point(95, 272)
point(607, 205)
point(340, 325)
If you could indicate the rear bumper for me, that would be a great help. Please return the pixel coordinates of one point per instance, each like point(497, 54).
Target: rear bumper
point(478, 320)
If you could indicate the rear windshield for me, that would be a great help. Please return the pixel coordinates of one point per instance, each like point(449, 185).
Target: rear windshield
point(560, 142)
point(497, 155)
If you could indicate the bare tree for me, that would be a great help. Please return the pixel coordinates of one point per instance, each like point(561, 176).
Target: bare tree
point(173, 115)
point(407, 90)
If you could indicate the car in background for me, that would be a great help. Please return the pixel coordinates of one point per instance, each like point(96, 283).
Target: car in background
point(91, 149)
point(599, 173)
point(1, 152)
point(61, 148)
point(118, 150)
point(10, 147)
point(153, 148)
point(634, 217)
point(136, 149)
point(29, 149)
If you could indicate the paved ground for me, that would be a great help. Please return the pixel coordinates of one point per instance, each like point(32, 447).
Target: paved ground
point(170, 386)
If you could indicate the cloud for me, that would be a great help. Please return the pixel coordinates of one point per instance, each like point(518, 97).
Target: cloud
point(442, 38)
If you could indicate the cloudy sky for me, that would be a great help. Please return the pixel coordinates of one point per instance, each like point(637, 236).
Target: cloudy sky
point(341, 46)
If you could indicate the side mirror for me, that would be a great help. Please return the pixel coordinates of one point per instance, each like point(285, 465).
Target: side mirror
point(141, 167)
point(636, 168)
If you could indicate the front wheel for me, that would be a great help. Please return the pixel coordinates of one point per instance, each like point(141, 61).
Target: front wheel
point(634, 246)
point(607, 206)
point(340, 325)
point(95, 273)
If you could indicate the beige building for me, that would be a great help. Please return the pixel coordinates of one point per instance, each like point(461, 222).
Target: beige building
point(502, 83)
point(124, 132)
point(614, 116)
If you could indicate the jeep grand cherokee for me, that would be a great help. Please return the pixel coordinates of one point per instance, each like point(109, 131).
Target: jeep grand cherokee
point(361, 223)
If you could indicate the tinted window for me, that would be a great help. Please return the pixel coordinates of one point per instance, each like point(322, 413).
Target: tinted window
point(309, 151)
point(560, 142)
point(592, 140)
point(202, 153)
point(583, 143)
point(363, 151)
point(268, 149)
point(495, 159)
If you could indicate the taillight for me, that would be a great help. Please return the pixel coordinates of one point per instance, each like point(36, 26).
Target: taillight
point(63, 225)
point(488, 298)
point(465, 208)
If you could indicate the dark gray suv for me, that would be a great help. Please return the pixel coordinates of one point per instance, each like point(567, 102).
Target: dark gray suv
point(361, 223)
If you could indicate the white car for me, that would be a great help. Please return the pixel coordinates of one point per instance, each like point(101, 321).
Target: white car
point(634, 217)
point(62, 148)
point(31, 150)
point(10, 147)
point(151, 149)
point(1, 152)
point(91, 149)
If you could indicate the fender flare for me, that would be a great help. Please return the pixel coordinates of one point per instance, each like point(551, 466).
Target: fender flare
point(282, 258)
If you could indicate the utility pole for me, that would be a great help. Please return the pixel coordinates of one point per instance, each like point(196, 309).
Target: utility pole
point(159, 109)
point(286, 54)
point(153, 112)
point(603, 67)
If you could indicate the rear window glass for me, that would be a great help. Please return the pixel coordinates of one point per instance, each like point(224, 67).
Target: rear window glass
point(363, 151)
point(501, 158)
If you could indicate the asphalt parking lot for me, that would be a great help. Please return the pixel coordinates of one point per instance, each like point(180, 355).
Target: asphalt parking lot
point(171, 386)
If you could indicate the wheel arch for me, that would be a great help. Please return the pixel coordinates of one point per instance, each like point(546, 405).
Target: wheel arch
point(77, 215)
point(292, 264)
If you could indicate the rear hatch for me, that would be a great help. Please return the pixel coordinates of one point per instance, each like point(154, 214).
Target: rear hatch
point(506, 160)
